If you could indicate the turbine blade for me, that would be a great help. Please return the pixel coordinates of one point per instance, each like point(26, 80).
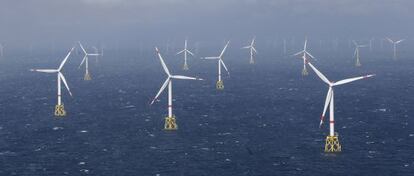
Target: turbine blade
point(310, 55)
point(83, 49)
point(224, 65)
point(254, 49)
point(323, 77)
point(161, 89)
point(305, 46)
point(327, 101)
point(180, 52)
point(64, 60)
point(83, 60)
point(390, 40)
point(64, 82)
point(399, 41)
point(355, 43)
point(44, 70)
point(211, 58)
point(189, 52)
point(162, 62)
point(351, 80)
point(184, 77)
point(298, 53)
point(224, 49)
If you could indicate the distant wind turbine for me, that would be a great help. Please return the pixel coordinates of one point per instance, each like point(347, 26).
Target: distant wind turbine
point(87, 76)
point(356, 53)
point(395, 46)
point(1, 50)
point(185, 51)
point(219, 84)
point(252, 50)
point(305, 53)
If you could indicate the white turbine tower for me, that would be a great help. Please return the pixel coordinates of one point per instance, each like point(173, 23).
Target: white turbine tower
point(332, 141)
point(395, 46)
point(219, 84)
point(356, 53)
point(305, 53)
point(170, 122)
point(252, 50)
point(59, 108)
point(1, 50)
point(87, 76)
point(185, 51)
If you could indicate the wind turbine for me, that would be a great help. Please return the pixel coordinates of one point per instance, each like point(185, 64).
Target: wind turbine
point(1, 50)
point(97, 52)
point(170, 122)
point(59, 108)
point(185, 51)
point(395, 46)
point(371, 44)
point(332, 141)
point(219, 84)
point(305, 53)
point(356, 53)
point(252, 50)
point(87, 76)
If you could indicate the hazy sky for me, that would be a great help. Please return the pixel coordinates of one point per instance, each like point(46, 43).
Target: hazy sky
point(42, 21)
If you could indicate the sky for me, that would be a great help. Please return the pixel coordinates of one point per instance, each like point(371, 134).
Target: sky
point(130, 21)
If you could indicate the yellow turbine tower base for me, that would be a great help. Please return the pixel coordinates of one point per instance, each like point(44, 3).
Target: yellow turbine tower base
point(305, 72)
point(87, 77)
point(170, 123)
point(60, 111)
point(219, 85)
point(185, 67)
point(332, 144)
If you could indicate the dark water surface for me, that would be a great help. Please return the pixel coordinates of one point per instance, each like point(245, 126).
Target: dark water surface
point(265, 122)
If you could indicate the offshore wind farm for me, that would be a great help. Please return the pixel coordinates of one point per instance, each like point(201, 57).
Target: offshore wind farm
point(206, 92)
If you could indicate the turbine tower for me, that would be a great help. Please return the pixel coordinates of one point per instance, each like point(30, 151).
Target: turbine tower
point(185, 51)
point(170, 121)
point(332, 140)
point(252, 50)
point(305, 53)
point(395, 46)
point(59, 108)
point(219, 84)
point(356, 53)
point(87, 76)
point(1, 50)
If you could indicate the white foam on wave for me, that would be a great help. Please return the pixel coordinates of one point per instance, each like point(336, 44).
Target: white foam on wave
point(57, 128)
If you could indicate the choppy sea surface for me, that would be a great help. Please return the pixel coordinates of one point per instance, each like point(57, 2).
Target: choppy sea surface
point(265, 122)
